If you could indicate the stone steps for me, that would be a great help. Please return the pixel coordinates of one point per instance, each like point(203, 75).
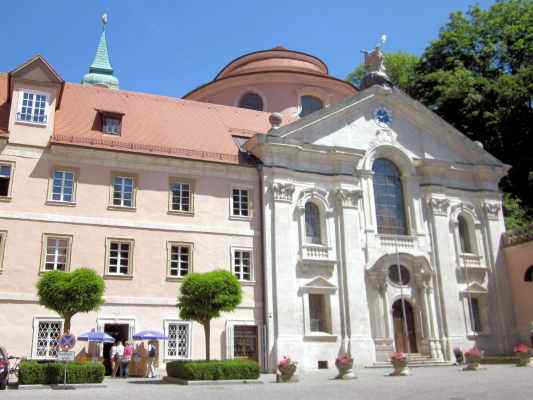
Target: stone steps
point(415, 361)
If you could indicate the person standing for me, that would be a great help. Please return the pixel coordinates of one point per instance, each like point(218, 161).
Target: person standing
point(152, 354)
point(120, 354)
point(126, 359)
point(113, 360)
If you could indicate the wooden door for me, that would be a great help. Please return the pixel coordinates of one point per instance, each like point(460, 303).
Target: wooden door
point(404, 343)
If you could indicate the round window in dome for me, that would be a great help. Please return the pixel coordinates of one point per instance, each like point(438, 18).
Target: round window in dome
point(399, 274)
point(251, 101)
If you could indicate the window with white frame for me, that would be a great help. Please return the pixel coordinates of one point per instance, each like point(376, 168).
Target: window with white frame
point(180, 197)
point(33, 107)
point(46, 333)
point(178, 343)
point(240, 202)
point(6, 171)
point(179, 259)
point(242, 264)
point(319, 313)
point(63, 186)
point(56, 253)
point(119, 257)
point(123, 191)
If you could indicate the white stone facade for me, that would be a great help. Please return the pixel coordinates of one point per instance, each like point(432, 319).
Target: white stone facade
point(327, 160)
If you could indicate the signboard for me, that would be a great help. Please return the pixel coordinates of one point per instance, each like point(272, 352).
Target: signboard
point(66, 342)
point(66, 356)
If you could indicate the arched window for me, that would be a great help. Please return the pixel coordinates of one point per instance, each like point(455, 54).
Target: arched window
point(309, 105)
point(388, 196)
point(464, 235)
point(251, 101)
point(312, 224)
point(529, 274)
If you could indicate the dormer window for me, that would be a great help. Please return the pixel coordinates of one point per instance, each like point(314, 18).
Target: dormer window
point(33, 108)
point(111, 125)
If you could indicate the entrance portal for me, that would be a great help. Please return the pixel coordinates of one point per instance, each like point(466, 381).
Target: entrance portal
point(119, 332)
point(404, 343)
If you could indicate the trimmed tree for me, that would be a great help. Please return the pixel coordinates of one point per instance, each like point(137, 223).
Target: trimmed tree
point(68, 293)
point(204, 296)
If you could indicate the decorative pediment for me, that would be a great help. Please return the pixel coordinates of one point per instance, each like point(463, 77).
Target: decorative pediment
point(475, 288)
point(319, 285)
point(37, 69)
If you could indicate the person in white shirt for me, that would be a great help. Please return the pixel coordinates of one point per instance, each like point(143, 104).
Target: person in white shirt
point(120, 354)
point(113, 360)
point(152, 354)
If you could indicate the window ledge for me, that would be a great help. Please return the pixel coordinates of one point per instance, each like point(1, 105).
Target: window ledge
point(120, 208)
point(60, 203)
point(247, 283)
point(240, 218)
point(320, 337)
point(175, 278)
point(181, 213)
point(30, 123)
point(5, 199)
point(119, 277)
point(44, 271)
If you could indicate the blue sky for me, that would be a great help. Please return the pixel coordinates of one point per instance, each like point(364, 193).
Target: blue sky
point(170, 47)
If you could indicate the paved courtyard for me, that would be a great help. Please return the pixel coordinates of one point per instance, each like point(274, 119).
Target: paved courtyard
point(497, 382)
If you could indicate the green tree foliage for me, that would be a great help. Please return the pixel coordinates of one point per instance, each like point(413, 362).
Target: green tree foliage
point(204, 296)
point(69, 293)
point(515, 215)
point(478, 75)
point(400, 67)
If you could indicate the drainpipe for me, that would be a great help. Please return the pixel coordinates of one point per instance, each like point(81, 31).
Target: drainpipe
point(264, 328)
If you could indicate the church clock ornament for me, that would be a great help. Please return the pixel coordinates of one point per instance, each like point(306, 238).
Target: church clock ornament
point(383, 117)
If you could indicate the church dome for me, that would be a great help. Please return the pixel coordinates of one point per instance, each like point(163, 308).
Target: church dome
point(276, 59)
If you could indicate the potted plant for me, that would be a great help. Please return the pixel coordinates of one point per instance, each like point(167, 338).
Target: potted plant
point(399, 363)
point(472, 359)
point(286, 368)
point(344, 364)
point(522, 352)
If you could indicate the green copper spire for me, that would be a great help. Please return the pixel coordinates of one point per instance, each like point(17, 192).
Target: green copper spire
point(100, 71)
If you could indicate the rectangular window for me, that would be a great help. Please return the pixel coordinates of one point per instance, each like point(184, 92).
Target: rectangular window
point(63, 186)
point(240, 203)
point(111, 125)
point(56, 253)
point(180, 197)
point(242, 264)
point(33, 108)
point(319, 313)
point(123, 191)
point(245, 342)
point(119, 257)
point(179, 259)
point(46, 334)
point(6, 171)
point(178, 343)
point(475, 315)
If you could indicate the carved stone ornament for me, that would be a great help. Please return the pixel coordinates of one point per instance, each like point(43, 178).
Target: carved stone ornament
point(439, 206)
point(348, 198)
point(492, 210)
point(283, 191)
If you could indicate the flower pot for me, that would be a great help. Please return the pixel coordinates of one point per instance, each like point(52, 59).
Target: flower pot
point(345, 370)
point(286, 372)
point(400, 367)
point(472, 363)
point(524, 359)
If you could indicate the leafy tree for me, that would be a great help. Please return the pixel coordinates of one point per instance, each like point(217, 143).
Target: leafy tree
point(400, 67)
point(515, 216)
point(478, 75)
point(69, 293)
point(204, 296)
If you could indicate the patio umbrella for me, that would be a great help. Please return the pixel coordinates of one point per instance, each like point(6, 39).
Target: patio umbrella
point(149, 335)
point(97, 337)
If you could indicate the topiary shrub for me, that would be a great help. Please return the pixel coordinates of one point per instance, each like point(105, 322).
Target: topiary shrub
point(51, 373)
point(213, 370)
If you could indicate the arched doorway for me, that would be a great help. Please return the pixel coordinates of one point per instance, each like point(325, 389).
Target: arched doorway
point(404, 343)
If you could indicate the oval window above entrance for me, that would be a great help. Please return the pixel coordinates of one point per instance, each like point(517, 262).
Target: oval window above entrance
point(399, 275)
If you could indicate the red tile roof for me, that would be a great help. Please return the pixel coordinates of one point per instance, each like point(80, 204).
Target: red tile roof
point(151, 124)
point(155, 124)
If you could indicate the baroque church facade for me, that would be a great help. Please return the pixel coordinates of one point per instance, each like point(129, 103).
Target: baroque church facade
point(355, 218)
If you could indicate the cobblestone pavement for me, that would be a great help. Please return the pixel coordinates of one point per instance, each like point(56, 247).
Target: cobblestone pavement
point(497, 382)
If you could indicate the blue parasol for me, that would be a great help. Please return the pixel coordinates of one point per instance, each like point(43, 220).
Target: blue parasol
point(149, 335)
point(98, 337)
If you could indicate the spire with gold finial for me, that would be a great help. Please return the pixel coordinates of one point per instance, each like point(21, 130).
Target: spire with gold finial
point(375, 73)
point(100, 71)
